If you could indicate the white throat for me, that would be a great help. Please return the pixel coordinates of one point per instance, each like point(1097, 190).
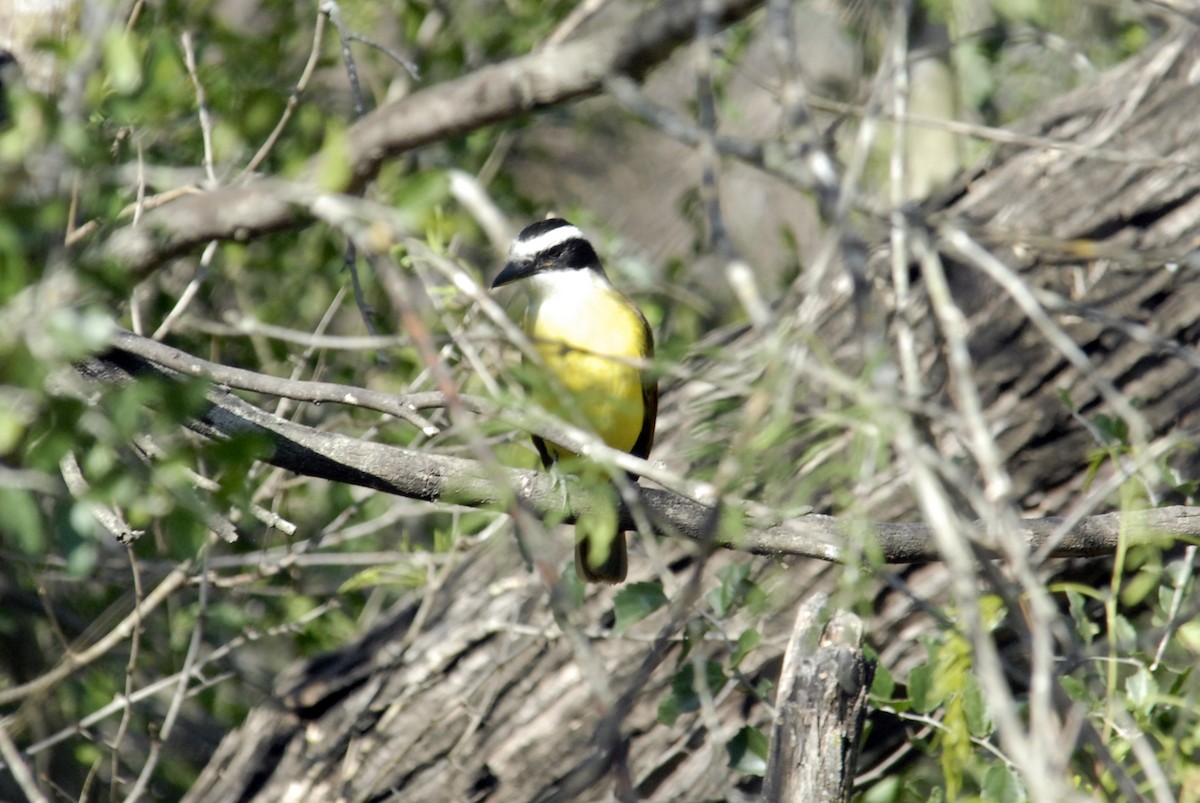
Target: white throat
point(566, 284)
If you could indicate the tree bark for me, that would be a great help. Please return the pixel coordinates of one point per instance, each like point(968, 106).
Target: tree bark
point(444, 699)
point(820, 707)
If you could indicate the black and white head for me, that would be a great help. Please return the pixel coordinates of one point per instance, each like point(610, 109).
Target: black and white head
point(547, 248)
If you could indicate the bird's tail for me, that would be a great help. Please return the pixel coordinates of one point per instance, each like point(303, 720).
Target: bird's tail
point(610, 569)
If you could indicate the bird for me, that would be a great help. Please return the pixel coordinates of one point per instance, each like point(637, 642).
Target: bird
point(596, 344)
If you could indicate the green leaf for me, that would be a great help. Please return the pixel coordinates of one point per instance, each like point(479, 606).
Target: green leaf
point(749, 639)
point(885, 790)
point(1188, 635)
point(599, 525)
point(683, 697)
point(1112, 430)
point(974, 711)
point(401, 574)
point(748, 751)
point(14, 420)
point(1075, 689)
point(991, 611)
point(123, 64)
point(884, 684)
point(723, 597)
point(1002, 786)
point(1165, 597)
point(1141, 585)
point(1084, 626)
point(690, 635)
point(1142, 690)
point(424, 190)
point(81, 559)
point(1180, 682)
point(1124, 631)
point(21, 521)
point(920, 686)
point(635, 602)
point(668, 710)
point(736, 589)
point(576, 587)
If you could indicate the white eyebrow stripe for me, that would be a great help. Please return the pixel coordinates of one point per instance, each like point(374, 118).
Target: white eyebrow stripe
point(525, 249)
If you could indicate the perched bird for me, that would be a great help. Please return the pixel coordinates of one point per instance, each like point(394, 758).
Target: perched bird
point(596, 344)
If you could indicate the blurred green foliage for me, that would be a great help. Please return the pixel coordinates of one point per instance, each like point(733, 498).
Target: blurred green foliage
point(131, 130)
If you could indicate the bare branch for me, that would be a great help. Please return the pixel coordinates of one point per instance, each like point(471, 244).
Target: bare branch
point(452, 480)
point(489, 95)
point(72, 661)
point(19, 769)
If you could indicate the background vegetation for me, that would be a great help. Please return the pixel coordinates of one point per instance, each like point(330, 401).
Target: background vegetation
point(157, 586)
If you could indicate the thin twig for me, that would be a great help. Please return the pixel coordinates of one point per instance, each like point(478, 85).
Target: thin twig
point(181, 686)
point(123, 702)
point(130, 667)
point(72, 661)
point(189, 59)
point(189, 292)
point(19, 769)
point(314, 56)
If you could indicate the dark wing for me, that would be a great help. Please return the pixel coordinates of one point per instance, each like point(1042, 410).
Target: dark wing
point(645, 440)
point(544, 452)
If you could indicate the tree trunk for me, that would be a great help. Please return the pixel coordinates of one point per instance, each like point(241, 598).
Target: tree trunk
point(820, 708)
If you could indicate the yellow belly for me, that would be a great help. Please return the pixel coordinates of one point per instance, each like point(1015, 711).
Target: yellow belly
point(593, 349)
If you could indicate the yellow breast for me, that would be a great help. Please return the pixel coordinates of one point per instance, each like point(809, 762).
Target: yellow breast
point(593, 340)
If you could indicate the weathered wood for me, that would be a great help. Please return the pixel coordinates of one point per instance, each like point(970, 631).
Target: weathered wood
point(468, 706)
point(820, 707)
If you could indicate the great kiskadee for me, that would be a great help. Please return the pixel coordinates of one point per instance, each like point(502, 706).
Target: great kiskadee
point(596, 343)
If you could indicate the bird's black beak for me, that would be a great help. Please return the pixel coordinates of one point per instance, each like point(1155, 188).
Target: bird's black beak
point(514, 271)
